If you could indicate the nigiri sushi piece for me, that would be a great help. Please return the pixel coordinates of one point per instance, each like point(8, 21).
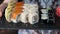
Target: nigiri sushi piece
point(44, 10)
point(24, 17)
point(30, 14)
point(17, 10)
point(15, 14)
point(33, 18)
point(44, 16)
point(8, 10)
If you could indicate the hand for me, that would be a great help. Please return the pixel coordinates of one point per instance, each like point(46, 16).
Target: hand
point(2, 7)
point(1, 10)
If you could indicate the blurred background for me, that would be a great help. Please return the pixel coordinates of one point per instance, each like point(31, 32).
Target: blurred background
point(8, 31)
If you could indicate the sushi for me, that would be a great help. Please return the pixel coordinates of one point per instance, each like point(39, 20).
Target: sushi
point(33, 18)
point(13, 10)
point(22, 12)
point(44, 10)
point(17, 10)
point(44, 16)
point(30, 14)
point(8, 10)
point(24, 17)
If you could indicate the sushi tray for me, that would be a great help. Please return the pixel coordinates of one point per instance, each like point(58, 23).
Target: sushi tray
point(31, 14)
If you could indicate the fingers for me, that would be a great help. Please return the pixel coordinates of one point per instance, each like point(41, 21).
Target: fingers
point(1, 10)
point(2, 7)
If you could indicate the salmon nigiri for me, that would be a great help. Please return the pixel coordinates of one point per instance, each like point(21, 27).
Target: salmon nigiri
point(17, 11)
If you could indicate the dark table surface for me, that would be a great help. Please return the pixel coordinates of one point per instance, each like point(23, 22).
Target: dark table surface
point(5, 25)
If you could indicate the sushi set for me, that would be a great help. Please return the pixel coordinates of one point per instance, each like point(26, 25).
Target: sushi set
point(31, 14)
point(22, 12)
